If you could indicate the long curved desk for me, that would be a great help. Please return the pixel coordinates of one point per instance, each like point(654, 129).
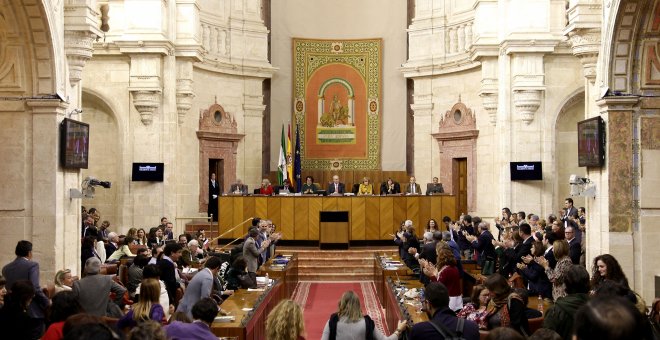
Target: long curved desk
point(370, 217)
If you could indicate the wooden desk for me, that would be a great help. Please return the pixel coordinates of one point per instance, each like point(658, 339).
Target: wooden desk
point(370, 217)
point(381, 275)
point(248, 325)
point(395, 310)
point(288, 275)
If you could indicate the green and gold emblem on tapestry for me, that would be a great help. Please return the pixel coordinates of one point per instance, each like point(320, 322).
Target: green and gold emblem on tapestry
point(336, 100)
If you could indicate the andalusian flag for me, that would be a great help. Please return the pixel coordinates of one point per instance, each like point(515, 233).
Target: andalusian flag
point(289, 158)
point(297, 167)
point(281, 165)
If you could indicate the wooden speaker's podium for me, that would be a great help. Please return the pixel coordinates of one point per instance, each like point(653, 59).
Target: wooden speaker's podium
point(334, 227)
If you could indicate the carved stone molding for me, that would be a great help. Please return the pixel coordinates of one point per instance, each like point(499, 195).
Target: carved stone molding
point(79, 47)
point(527, 102)
point(489, 100)
point(183, 104)
point(586, 43)
point(146, 102)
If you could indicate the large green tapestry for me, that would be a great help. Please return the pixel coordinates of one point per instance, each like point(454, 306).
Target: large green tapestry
point(336, 95)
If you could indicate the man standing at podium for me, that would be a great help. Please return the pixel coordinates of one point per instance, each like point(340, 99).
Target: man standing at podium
point(336, 187)
point(214, 192)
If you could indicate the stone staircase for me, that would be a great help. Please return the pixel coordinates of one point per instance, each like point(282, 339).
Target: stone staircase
point(355, 264)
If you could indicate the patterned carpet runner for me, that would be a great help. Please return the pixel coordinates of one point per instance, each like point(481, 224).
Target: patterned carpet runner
point(320, 299)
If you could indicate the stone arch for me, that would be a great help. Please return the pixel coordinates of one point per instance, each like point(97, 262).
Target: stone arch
point(107, 161)
point(564, 146)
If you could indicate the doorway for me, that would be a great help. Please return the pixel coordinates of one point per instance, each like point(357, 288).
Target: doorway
point(217, 167)
point(460, 171)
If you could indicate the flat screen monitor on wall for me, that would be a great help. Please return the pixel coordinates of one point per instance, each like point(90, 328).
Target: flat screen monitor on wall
point(591, 142)
point(148, 172)
point(74, 144)
point(526, 171)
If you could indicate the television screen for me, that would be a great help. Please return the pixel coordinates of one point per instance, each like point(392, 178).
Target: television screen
point(526, 171)
point(591, 142)
point(148, 172)
point(74, 144)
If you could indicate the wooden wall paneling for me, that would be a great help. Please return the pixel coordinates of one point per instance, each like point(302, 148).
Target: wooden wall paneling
point(400, 206)
point(424, 211)
point(372, 219)
point(237, 217)
point(412, 210)
point(287, 217)
point(249, 204)
point(260, 209)
point(449, 207)
point(315, 205)
point(436, 210)
point(388, 224)
point(330, 203)
point(344, 204)
point(358, 217)
point(275, 212)
point(225, 213)
point(301, 219)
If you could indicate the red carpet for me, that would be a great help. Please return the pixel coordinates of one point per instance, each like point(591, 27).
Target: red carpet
point(320, 299)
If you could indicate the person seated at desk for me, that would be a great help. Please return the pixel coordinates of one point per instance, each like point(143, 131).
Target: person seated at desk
point(203, 313)
point(266, 187)
point(237, 276)
point(413, 188)
point(366, 188)
point(434, 188)
point(390, 188)
point(122, 251)
point(336, 187)
point(309, 188)
point(192, 254)
point(285, 188)
point(238, 188)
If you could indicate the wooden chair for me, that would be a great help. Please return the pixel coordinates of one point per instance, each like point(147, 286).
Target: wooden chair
point(535, 324)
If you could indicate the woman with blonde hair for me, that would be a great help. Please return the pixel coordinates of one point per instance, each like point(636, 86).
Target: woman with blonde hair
point(63, 281)
point(366, 188)
point(557, 275)
point(148, 308)
point(141, 237)
point(348, 323)
point(285, 322)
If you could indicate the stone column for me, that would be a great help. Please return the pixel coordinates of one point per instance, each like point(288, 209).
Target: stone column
point(55, 221)
point(610, 214)
point(248, 160)
point(423, 128)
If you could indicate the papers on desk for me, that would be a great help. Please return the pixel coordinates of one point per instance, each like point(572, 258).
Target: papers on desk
point(224, 319)
point(189, 270)
point(263, 280)
point(256, 289)
point(393, 265)
point(246, 309)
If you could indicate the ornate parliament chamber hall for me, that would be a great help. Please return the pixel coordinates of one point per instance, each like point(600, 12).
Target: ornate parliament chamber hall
point(428, 163)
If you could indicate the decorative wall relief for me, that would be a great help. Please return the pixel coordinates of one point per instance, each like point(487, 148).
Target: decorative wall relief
point(337, 89)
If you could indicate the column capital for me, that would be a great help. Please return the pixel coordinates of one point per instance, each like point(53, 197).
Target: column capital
point(617, 103)
point(47, 106)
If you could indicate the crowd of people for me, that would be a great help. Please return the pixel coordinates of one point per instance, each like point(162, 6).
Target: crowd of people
point(173, 287)
point(160, 299)
point(528, 256)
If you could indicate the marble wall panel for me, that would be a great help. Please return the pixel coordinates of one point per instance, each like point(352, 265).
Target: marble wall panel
point(619, 158)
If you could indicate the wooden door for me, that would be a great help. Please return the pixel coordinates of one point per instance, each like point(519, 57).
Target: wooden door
point(460, 184)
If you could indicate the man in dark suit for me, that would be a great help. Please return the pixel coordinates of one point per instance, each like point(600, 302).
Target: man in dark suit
point(214, 192)
point(168, 274)
point(526, 246)
point(569, 209)
point(336, 187)
point(434, 188)
point(285, 188)
point(548, 240)
point(238, 188)
point(574, 246)
point(436, 306)
point(23, 268)
point(484, 243)
point(390, 187)
point(413, 188)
